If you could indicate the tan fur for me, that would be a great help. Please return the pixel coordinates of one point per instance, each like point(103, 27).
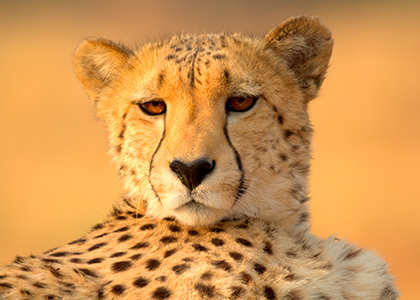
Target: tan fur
point(242, 231)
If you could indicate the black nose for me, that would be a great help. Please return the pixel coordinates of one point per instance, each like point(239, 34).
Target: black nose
point(192, 175)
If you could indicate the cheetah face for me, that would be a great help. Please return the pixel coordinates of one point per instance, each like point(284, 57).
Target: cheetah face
point(208, 127)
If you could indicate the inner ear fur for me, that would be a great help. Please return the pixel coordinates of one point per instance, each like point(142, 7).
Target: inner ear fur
point(305, 44)
point(97, 63)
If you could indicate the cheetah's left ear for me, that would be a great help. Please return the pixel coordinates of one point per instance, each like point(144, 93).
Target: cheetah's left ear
point(306, 46)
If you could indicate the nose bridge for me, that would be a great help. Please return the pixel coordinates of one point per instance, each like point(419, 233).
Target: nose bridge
point(192, 134)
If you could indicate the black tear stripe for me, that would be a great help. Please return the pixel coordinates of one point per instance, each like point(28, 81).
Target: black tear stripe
point(153, 156)
point(241, 188)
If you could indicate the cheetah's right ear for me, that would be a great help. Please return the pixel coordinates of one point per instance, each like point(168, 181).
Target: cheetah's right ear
point(306, 46)
point(97, 63)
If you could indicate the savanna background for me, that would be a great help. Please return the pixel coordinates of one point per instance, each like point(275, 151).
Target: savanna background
point(56, 179)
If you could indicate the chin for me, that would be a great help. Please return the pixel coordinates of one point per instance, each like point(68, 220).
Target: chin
point(194, 213)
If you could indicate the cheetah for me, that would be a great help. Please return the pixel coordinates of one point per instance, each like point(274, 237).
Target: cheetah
point(211, 137)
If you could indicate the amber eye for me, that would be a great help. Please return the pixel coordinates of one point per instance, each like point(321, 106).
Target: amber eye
point(153, 107)
point(239, 104)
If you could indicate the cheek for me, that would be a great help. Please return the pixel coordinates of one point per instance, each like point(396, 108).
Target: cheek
point(140, 143)
point(259, 143)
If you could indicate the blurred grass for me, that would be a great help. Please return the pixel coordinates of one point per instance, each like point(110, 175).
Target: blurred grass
point(56, 179)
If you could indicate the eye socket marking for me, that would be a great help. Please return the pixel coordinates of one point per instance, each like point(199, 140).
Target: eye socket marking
point(240, 104)
point(153, 108)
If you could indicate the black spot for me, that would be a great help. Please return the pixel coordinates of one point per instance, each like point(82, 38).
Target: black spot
point(199, 247)
point(206, 276)
point(3, 276)
point(26, 292)
point(226, 76)
point(161, 278)
point(6, 285)
point(259, 268)
point(290, 277)
point(117, 254)
point(50, 261)
point(101, 292)
point(97, 246)
point(169, 219)
point(59, 254)
point(140, 245)
point(23, 277)
point(120, 266)
point(222, 264)
point(216, 229)
point(244, 242)
point(246, 278)
point(40, 285)
point(79, 241)
point(192, 232)
point(101, 235)
point(170, 57)
point(236, 292)
point(161, 79)
point(268, 247)
point(179, 269)
point(118, 289)
point(76, 260)
point(152, 264)
point(303, 217)
point(98, 226)
point(88, 272)
point(205, 290)
point(169, 253)
point(168, 239)
point(136, 257)
point(121, 135)
point(95, 261)
point(389, 294)
point(118, 148)
point(122, 229)
point(161, 293)
point(291, 254)
point(148, 226)
point(174, 228)
point(236, 256)
point(352, 254)
point(141, 282)
point(124, 238)
point(219, 56)
point(55, 272)
point(187, 259)
point(217, 242)
point(280, 119)
point(25, 269)
point(269, 293)
point(287, 133)
point(53, 297)
point(121, 218)
point(283, 157)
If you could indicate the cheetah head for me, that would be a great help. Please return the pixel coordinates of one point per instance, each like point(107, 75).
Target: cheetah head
point(213, 126)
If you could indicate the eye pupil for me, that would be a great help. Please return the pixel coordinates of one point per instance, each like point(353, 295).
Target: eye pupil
point(238, 104)
point(153, 107)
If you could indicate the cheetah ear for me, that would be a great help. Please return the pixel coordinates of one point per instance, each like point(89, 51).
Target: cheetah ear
point(97, 63)
point(306, 46)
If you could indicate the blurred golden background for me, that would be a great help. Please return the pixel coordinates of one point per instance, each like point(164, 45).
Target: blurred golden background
point(56, 179)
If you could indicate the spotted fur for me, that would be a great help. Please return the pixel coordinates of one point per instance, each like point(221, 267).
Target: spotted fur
point(215, 200)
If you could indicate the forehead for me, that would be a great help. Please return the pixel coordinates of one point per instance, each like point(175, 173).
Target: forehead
point(206, 66)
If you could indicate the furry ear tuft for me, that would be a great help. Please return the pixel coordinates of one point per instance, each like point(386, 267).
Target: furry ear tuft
point(306, 46)
point(97, 63)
